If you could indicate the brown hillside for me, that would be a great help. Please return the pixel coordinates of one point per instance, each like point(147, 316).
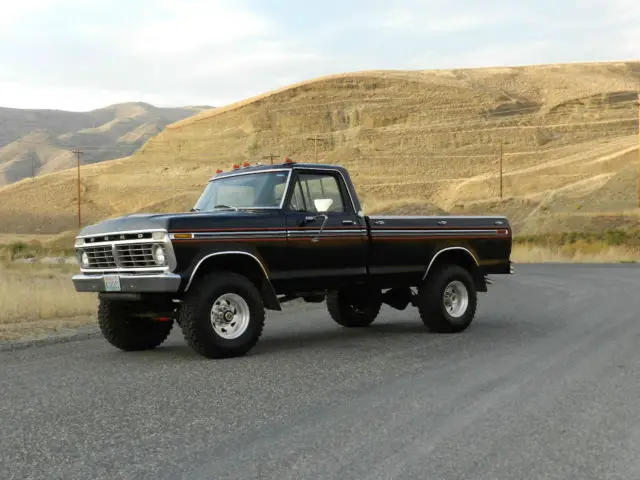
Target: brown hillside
point(37, 152)
point(415, 142)
point(33, 142)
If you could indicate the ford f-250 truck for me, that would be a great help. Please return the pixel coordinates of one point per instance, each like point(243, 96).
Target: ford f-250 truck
point(262, 235)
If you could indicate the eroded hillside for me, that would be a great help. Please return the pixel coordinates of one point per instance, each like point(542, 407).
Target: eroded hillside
point(35, 142)
point(415, 142)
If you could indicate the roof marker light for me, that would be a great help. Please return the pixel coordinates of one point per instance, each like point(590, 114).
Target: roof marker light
point(246, 164)
point(219, 171)
point(236, 166)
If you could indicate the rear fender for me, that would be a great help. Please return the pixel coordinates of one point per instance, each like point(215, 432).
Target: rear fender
point(458, 256)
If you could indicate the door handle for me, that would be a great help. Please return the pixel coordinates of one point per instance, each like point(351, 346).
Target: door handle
point(347, 222)
point(442, 222)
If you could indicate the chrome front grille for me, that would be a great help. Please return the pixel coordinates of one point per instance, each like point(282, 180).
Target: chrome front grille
point(124, 252)
point(135, 255)
point(101, 257)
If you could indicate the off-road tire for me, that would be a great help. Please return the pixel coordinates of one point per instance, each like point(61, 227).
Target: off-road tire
point(195, 315)
point(431, 300)
point(122, 329)
point(354, 309)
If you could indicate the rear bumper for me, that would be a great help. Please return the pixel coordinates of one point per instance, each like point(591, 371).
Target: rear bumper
point(510, 271)
point(153, 283)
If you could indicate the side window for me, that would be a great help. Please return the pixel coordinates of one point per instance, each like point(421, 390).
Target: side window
point(298, 203)
point(278, 192)
point(312, 186)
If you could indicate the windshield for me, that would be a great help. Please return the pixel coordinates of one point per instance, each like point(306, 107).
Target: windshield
point(252, 190)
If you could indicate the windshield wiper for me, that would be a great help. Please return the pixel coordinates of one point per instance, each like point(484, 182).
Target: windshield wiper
point(195, 209)
point(226, 206)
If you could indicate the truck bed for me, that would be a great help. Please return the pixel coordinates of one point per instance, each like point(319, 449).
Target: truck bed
point(402, 246)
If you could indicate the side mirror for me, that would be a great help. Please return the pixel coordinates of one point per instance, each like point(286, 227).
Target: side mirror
point(323, 204)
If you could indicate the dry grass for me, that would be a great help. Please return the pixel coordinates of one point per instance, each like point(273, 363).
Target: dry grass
point(607, 246)
point(12, 238)
point(414, 141)
point(553, 254)
point(39, 299)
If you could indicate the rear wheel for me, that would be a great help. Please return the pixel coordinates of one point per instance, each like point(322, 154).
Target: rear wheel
point(223, 315)
point(354, 308)
point(124, 329)
point(447, 300)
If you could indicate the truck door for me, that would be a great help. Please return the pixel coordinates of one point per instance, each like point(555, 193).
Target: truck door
point(327, 249)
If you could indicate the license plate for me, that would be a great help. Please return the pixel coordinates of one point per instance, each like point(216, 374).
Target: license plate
point(112, 283)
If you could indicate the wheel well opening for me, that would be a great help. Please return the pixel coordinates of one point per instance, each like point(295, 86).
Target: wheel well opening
point(243, 265)
point(464, 259)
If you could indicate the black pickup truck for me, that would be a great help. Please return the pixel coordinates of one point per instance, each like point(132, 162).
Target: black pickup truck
point(262, 235)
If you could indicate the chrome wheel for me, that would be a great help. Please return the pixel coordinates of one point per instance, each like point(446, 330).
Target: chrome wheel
point(230, 316)
point(456, 298)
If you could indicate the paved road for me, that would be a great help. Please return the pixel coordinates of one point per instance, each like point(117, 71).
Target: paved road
point(546, 384)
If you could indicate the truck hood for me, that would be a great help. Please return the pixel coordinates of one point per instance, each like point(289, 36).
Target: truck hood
point(182, 221)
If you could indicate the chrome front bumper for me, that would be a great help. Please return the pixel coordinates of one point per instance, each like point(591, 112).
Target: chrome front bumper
point(120, 282)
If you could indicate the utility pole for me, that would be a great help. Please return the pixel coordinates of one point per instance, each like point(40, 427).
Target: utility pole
point(315, 145)
point(500, 169)
point(638, 108)
point(78, 152)
point(315, 148)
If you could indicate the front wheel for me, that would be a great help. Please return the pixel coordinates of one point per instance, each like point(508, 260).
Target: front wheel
point(124, 329)
point(354, 307)
point(447, 300)
point(223, 316)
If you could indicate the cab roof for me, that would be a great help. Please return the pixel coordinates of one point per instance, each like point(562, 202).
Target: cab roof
point(279, 166)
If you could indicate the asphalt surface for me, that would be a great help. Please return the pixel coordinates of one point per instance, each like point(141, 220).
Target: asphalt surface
point(544, 385)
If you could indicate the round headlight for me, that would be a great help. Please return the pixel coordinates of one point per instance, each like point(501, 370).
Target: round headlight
point(84, 259)
point(159, 255)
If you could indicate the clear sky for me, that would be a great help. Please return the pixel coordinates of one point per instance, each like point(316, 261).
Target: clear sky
point(84, 54)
